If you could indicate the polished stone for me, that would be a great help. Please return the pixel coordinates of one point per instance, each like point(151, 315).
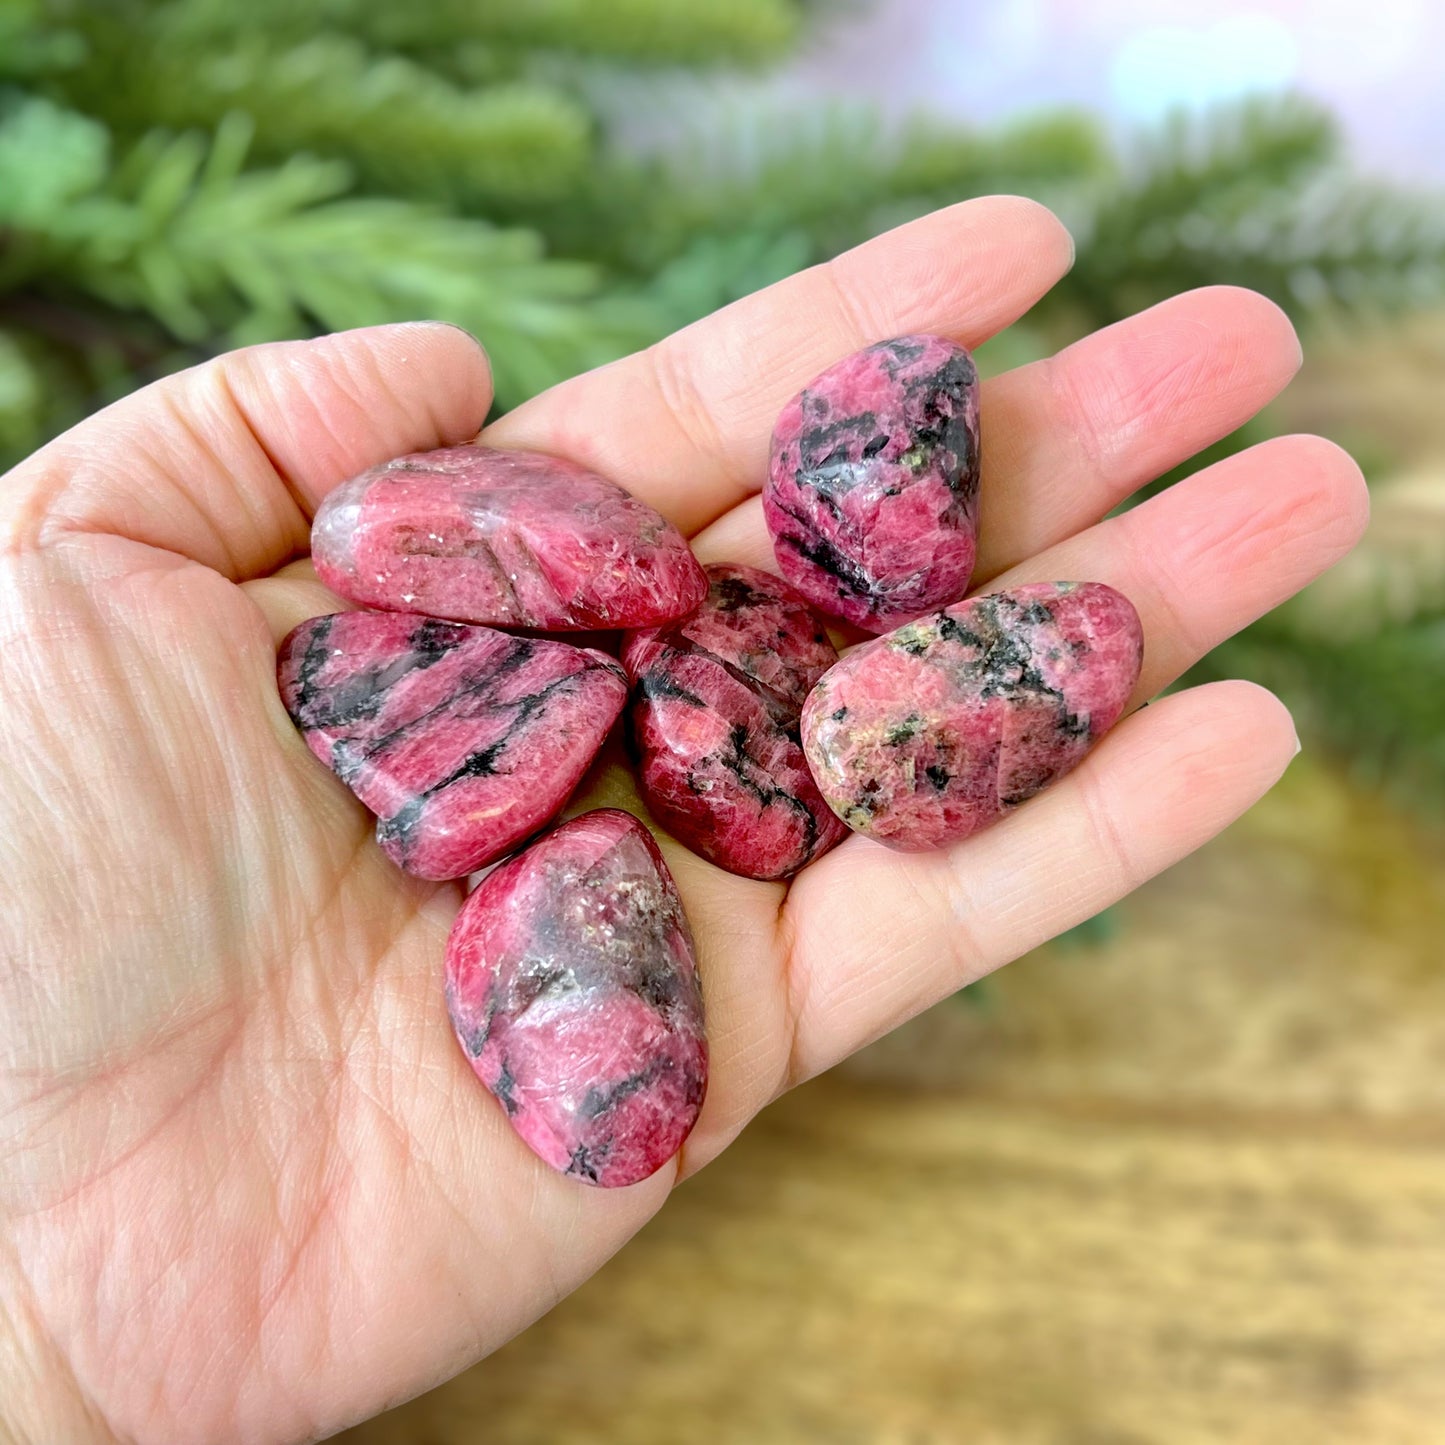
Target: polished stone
point(872, 490)
point(514, 539)
point(573, 989)
point(462, 740)
point(924, 736)
point(714, 723)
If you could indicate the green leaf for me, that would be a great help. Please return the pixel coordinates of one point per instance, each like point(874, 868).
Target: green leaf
point(280, 251)
point(1258, 194)
point(48, 155)
point(33, 43)
point(1377, 701)
point(699, 32)
point(403, 127)
point(22, 398)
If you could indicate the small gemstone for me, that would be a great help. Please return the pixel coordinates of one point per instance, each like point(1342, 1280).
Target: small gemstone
point(872, 490)
point(463, 741)
point(514, 539)
point(926, 735)
point(573, 989)
point(714, 720)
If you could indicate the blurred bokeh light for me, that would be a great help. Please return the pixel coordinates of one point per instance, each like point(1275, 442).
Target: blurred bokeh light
point(1134, 60)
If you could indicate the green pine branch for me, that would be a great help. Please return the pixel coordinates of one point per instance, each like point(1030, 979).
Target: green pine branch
point(826, 178)
point(1257, 194)
point(405, 129)
point(651, 32)
point(1377, 699)
point(700, 32)
point(33, 43)
point(180, 232)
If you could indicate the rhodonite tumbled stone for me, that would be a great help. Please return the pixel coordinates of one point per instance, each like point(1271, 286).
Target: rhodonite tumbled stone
point(714, 718)
point(573, 989)
point(461, 740)
point(924, 736)
point(872, 490)
point(517, 539)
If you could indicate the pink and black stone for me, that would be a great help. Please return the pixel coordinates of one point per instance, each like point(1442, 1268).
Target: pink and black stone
point(714, 723)
point(872, 490)
point(463, 741)
point(573, 989)
point(515, 539)
point(926, 735)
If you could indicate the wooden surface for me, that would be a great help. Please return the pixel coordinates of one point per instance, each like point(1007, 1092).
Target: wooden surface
point(1184, 1186)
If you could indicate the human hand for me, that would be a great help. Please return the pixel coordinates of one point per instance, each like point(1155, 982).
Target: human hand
point(250, 1188)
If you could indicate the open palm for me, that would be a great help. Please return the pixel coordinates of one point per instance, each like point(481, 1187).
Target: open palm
point(249, 1187)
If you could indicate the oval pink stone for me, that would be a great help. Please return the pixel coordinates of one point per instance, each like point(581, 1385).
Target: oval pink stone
point(514, 539)
point(573, 989)
point(872, 490)
point(926, 735)
point(714, 720)
point(463, 741)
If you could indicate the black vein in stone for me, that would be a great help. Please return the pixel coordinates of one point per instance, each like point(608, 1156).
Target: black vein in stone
point(598, 1101)
point(483, 763)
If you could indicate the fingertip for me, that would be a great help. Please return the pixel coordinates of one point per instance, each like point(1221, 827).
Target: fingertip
point(998, 254)
point(1255, 703)
point(1267, 324)
point(331, 406)
point(471, 355)
point(1324, 500)
point(1030, 241)
point(1246, 723)
point(1035, 221)
point(437, 363)
point(290, 597)
point(1338, 484)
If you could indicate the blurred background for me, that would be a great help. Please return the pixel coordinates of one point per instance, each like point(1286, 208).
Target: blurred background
point(1178, 1177)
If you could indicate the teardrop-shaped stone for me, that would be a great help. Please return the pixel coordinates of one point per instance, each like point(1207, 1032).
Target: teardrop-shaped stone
point(514, 539)
point(573, 989)
point(872, 490)
point(463, 741)
point(926, 735)
point(714, 720)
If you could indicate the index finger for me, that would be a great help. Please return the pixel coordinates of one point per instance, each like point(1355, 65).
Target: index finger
point(685, 424)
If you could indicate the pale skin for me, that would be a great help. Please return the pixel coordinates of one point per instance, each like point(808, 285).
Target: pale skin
point(249, 1188)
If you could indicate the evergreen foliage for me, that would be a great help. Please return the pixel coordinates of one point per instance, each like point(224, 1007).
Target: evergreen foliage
point(1376, 696)
point(572, 178)
point(1256, 195)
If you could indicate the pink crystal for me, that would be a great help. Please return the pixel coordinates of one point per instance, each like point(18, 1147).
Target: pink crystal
point(924, 736)
point(714, 718)
point(517, 539)
point(573, 989)
point(872, 491)
point(462, 740)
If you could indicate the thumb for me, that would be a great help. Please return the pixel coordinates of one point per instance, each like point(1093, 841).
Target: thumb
point(225, 463)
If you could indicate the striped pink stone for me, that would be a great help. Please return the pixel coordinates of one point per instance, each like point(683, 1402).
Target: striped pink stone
point(714, 722)
point(463, 741)
point(573, 990)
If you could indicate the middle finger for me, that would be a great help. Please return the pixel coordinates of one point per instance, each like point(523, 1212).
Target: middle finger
point(1066, 439)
